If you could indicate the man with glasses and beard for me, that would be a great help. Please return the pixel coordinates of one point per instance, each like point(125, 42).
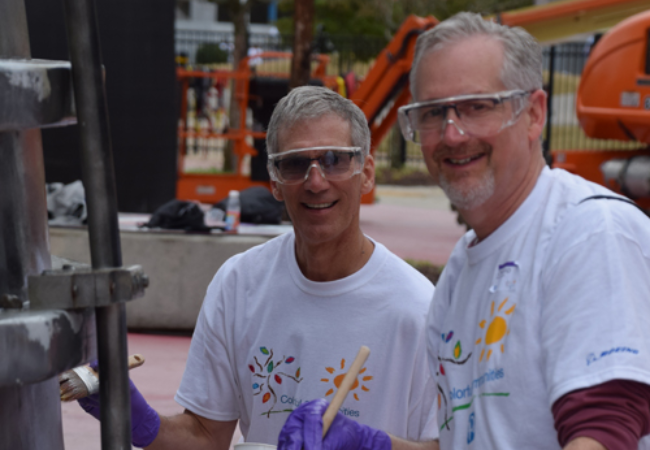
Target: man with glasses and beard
point(547, 297)
point(281, 323)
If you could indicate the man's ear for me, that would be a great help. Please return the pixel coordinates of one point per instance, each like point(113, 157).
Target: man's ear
point(536, 114)
point(277, 193)
point(368, 175)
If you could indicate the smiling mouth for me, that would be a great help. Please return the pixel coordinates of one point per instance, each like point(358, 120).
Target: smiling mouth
point(461, 162)
point(319, 205)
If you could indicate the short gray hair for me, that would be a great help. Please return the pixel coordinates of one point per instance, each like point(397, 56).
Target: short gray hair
point(313, 102)
point(522, 62)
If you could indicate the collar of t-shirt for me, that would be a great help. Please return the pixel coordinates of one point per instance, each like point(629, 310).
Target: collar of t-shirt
point(523, 214)
point(336, 287)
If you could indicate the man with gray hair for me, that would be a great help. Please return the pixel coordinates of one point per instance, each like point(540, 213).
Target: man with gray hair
point(281, 323)
point(543, 295)
point(537, 334)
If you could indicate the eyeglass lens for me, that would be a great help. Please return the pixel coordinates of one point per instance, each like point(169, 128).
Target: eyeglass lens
point(475, 116)
point(334, 164)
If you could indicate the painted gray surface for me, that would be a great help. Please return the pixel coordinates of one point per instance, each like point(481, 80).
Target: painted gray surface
point(180, 266)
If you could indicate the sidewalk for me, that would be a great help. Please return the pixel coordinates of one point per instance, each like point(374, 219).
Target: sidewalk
point(413, 222)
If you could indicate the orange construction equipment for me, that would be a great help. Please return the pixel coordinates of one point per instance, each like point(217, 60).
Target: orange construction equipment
point(613, 102)
point(384, 89)
point(606, 108)
point(211, 188)
point(559, 20)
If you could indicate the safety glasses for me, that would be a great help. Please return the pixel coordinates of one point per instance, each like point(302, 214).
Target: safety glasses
point(477, 116)
point(334, 164)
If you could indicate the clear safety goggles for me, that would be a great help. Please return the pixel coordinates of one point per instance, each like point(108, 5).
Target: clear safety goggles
point(477, 116)
point(334, 164)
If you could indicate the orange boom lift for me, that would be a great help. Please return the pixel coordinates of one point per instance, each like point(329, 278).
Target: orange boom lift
point(613, 98)
point(613, 102)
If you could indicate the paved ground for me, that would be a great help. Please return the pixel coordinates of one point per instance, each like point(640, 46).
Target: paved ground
point(412, 222)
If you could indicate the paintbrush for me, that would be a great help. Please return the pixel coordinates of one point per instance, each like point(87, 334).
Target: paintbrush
point(344, 388)
point(83, 381)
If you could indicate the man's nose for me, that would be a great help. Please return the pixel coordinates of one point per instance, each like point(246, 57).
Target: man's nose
point(315, 180)
point(452, 132)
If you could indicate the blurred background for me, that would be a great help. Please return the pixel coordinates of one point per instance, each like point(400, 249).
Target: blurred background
point(170, 111)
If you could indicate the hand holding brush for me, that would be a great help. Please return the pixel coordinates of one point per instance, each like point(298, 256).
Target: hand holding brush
point(83, 381)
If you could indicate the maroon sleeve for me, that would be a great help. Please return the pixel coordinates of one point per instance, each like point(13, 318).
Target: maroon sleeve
point(615, 413)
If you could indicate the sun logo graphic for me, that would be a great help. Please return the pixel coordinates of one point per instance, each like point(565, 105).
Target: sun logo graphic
point(339, 378)
point(496, 330)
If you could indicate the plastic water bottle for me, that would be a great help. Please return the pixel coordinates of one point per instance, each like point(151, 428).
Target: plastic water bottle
point(233, 211)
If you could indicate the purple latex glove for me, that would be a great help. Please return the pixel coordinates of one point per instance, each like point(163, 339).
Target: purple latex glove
point(145, 421)
point(304, 429)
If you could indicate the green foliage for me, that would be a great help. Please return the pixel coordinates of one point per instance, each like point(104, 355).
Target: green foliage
point(211, 53)
point(339, 22)
point(384, 17)
point(337, 17)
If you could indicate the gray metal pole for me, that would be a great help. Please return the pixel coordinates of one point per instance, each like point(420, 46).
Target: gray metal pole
point(30, 415)
point(99, 182)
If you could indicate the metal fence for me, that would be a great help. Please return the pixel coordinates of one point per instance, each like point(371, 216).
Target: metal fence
point(563, 65)
point(347, 53)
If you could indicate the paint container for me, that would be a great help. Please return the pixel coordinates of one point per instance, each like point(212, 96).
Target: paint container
point(253, 446)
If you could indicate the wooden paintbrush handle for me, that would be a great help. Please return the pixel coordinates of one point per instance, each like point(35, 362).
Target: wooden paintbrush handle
point(135, 361)
point(344, 388)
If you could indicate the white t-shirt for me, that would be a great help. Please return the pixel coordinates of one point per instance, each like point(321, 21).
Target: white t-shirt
point(556, 299)
point(268, 339)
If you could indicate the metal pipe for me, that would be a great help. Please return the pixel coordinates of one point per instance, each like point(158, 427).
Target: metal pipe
point(99, 182)
point(30, 414)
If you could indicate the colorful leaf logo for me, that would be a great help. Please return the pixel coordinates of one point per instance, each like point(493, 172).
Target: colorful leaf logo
point(449, 336)
point(269, 368)
point(298, 373)
point(266, 397)
point(442, 369)
point(264, 350)
point(255, 386)
point(290, 359)
point(250, 366)
point(278, 379)
point(457, 350)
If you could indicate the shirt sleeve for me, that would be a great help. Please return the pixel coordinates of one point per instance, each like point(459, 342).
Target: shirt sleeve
point(596, 299)
point(209, 386)
point(616, 414)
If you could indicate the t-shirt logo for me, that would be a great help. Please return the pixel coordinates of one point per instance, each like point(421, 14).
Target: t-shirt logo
point(337, 379)
point(496, 330)
point(268, 372)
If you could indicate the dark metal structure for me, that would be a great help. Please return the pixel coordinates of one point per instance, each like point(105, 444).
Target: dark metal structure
point(47, 315)
point(136, 39)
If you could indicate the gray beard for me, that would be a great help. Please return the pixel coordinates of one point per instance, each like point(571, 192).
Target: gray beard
point(468, 199)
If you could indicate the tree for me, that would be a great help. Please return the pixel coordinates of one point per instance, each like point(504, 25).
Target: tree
point(302, 42)
point(383, 17)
